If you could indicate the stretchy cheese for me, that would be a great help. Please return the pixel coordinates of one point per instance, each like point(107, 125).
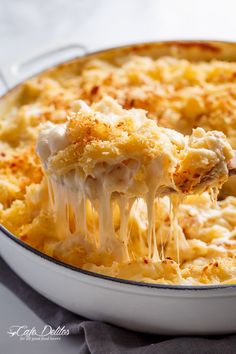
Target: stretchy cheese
point(108, 158)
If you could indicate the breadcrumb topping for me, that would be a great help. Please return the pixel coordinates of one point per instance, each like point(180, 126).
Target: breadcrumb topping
point(177, 94)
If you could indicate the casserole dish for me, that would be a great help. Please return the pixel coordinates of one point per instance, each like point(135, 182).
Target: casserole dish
point(163, 309)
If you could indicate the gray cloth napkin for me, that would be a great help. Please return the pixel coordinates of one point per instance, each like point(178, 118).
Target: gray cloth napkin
point(102, 338)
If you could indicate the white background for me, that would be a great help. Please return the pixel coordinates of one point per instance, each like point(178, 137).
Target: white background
point(28, 27)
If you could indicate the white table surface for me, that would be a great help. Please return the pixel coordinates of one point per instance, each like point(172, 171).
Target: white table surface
point(27, 27)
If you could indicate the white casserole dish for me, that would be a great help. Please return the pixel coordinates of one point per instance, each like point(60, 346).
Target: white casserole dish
point(162, 309)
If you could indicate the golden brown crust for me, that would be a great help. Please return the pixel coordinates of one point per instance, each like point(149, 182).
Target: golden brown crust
point(179, 94)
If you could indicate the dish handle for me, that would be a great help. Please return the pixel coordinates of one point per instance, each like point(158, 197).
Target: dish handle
point(11, 75)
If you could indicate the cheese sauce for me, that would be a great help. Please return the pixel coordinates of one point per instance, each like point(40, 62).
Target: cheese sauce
point(109, 193)
point(123, 226)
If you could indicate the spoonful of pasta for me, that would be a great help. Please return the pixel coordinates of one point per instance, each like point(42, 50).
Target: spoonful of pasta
point(106, 157)
point(125, 152)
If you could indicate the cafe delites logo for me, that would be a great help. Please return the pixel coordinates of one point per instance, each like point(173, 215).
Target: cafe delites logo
point(25, 333)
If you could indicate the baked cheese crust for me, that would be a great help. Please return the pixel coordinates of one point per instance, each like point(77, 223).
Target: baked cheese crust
point(177, 94)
